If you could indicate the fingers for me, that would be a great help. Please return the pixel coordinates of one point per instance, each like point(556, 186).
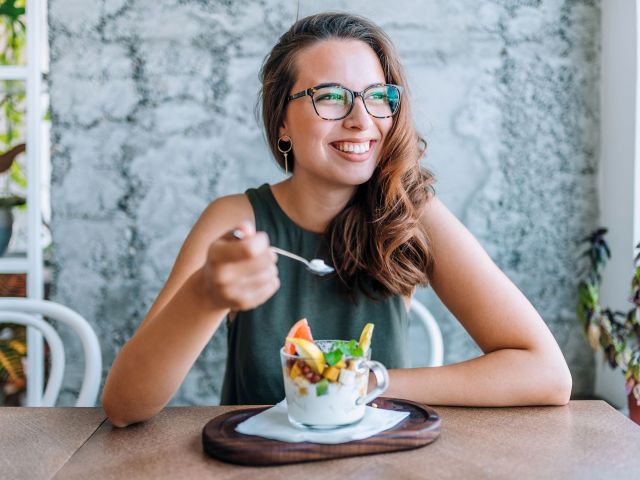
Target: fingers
point(231, 249)
point(241, 272)
point(246, 292)
point(257, 293)
point(243, 230)
point(241, 268)
point(259, 277)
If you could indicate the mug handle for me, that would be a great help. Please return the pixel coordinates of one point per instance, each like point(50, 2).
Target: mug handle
point(382, 380)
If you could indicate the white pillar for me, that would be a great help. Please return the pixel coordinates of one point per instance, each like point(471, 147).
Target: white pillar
point(619, 176)
point(35, 284)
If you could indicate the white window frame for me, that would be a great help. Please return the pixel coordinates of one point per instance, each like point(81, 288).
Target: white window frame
point(37, 156)
point(619, 175)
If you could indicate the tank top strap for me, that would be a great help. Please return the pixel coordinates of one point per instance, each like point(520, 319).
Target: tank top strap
point(268, 214)
point(283, 232)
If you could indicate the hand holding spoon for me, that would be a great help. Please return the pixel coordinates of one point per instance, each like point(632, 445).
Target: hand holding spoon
point(315, 266)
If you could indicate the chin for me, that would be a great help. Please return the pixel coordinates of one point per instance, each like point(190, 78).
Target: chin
point(356, 179)
point(348, 174)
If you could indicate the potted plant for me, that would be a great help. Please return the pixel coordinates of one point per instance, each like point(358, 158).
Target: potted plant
point(12, 98)
point(13, 31)
point(616, 333)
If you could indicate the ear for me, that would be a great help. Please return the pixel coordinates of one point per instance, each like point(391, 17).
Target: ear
point(283, 129)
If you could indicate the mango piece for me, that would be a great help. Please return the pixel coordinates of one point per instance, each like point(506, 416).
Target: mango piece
point(295, 371)
point(331, 374)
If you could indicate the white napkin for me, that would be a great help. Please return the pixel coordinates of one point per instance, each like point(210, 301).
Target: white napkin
point(273, 423)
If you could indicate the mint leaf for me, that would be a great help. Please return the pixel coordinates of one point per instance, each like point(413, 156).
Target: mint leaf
point(354, 349)
point(339, 345)
point(349, 349)
point(357, 352)
point(333, 357)
point(322, 387)
point(345, 347)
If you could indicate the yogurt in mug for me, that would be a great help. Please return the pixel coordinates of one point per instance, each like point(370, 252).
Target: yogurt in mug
point(334, 397)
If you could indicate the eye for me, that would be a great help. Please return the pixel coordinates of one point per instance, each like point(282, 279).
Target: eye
point(332, 96)
point(377, 96)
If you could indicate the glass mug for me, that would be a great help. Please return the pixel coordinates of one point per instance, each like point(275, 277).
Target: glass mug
point(334, 400)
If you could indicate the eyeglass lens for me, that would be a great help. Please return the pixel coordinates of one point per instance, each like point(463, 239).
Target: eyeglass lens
point(334, 102)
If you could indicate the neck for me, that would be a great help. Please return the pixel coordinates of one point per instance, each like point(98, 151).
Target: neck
point(311, 205)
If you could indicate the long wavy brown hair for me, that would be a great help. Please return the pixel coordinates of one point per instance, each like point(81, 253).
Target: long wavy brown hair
point(376, 242)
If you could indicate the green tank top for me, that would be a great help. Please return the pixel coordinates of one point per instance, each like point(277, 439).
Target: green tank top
point(253, 372)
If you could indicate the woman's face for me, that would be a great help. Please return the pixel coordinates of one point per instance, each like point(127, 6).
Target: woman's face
point(321, 147)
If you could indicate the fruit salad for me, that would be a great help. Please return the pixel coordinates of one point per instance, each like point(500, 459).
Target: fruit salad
point(324, 378)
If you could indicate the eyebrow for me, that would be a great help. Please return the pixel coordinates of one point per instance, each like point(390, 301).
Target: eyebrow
point(328, 84)
point(338, 84)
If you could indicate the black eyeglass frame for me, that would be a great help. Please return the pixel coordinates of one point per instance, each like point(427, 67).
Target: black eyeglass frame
point(312, 90)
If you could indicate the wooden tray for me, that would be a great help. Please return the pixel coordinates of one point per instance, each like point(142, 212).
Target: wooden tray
point(221, 441)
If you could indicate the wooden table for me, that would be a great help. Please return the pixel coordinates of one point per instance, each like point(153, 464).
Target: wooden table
point(585, 439)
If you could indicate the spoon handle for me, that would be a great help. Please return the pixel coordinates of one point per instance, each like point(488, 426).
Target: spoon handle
point(239, 235)
point(289, 254)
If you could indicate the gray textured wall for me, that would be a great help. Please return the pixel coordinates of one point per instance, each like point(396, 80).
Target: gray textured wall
point(153, 118)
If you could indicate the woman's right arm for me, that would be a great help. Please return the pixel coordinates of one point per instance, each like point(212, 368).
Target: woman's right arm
point(212, 275)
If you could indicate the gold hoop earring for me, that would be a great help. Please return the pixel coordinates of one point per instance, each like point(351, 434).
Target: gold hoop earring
point(287, 139)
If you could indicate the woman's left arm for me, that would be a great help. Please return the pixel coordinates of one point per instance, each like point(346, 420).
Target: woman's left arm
point(522, 363)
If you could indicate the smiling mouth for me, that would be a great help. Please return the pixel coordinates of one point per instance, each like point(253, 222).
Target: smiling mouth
point(354, 148)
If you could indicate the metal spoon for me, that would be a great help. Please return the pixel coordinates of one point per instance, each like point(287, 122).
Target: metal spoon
point(315, 266)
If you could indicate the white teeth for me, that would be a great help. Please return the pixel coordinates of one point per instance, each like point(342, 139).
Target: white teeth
point(353, 147)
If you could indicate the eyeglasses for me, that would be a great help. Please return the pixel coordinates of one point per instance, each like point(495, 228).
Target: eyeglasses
point(332, 101)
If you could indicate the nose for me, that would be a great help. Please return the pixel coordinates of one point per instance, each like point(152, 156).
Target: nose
point(359, 118)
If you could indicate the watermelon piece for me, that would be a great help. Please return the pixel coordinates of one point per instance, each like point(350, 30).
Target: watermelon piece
point(300, 329)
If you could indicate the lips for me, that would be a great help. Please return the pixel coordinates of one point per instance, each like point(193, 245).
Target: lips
point(354, 150)
point(352, 147)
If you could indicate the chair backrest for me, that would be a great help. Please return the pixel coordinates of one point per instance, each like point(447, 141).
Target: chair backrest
point(431, 354)
point(27, 312)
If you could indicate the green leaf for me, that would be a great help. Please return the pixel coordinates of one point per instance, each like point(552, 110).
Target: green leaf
point(322, 387)
point(17, 175)
point(348, 349)
point(343, 346)
point(594, 294)
point(333, 357)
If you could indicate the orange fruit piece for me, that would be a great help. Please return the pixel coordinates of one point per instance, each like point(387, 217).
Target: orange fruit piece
point(300, 329)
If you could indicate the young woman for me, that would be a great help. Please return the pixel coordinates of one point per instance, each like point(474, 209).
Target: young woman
point(336, 112)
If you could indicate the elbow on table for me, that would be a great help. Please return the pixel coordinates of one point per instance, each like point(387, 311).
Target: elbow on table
point(120, 416)
point(117, 422)
point(120, 420)
point(114, 413)
point(561, 396)
point(559, 387)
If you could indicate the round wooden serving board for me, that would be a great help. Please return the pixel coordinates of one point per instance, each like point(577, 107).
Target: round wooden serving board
point(220, 439)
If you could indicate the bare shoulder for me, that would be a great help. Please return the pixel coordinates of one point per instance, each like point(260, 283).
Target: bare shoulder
point(225, 213)
point(220, 216)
